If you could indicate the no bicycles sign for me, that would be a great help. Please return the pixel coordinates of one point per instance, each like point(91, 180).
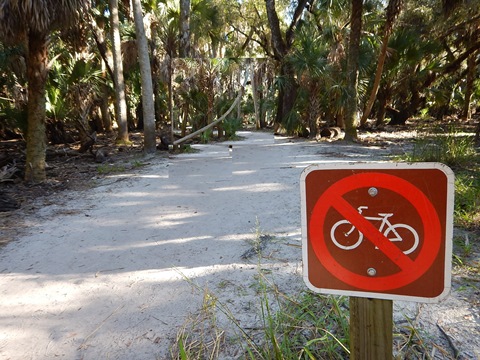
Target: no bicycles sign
point(378, 230)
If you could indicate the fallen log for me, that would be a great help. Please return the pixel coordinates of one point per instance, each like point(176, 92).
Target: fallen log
point(221, 118)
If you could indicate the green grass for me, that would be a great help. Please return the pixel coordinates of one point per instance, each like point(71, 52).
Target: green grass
point(304, 325)
point(200, 337)
point(300, 326)
point(452, 148)
point(410, 342)
point(459, 152)
point(110, 169)
point(206, 136)
point(467, 199)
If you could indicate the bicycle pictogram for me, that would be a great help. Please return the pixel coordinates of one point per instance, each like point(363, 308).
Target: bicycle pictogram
point(347, 237)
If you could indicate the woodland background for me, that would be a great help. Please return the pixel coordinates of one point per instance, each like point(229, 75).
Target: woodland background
point(72, 70)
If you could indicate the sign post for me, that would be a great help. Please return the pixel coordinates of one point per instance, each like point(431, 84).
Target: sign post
point(371, 329)
point(377, 232)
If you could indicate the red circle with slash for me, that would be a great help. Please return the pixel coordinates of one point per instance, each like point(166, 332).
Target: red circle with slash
point(409, 269)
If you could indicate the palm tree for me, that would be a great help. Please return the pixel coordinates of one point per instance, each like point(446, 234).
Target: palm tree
point(206, 25)
point(32, 22)
point(72, 89)
point(309, 59)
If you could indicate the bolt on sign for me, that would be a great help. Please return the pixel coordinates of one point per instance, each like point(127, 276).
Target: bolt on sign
point(378, 230)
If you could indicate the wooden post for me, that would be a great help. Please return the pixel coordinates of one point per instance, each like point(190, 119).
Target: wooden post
point(371, 329)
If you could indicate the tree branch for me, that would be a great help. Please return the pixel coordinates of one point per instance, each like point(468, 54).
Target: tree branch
point(279, 45)
point(296, 18)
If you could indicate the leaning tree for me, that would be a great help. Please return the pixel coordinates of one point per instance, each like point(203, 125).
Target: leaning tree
point(31, 22)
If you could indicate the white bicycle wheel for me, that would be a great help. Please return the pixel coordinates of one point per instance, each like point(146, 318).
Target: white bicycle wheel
point(345, 236)
point(407, 234)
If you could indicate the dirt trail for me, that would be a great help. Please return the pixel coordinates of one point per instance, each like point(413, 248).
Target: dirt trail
point(101, 273)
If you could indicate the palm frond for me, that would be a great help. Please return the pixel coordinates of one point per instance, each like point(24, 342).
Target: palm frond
point(16, 17)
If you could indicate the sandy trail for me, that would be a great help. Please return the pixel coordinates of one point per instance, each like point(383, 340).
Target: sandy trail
point(101, 273)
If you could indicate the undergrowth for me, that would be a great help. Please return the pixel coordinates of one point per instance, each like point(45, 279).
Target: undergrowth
point(458, 151)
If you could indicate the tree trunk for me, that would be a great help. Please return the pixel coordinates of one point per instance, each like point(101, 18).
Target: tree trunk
point(393, 10)
point(36, 137)
point(260, 79)
point(288, 92)
point(185, 114)
point(148, 105)
point(239, 105)
point(376, 82)
point(120, 101)
point(104, 111)
point(279, 46)
point(352, 70)
point(383, 99)
point(471, 68)
point(315, 108)
point(184, 46)
point(98, 33)
point(256, 106)
point(170, 102)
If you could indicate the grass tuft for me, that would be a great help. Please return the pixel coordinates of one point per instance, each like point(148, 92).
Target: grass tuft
point(451, 148)
point(458, 151)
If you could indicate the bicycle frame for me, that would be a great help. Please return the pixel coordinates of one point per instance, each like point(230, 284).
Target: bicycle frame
point(386, 228)
point(385, 222)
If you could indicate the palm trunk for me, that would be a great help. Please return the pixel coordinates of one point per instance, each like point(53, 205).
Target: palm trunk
point(170, 101)
point(36, 138)
point(148, 105)
point(120, 101)
point(184, 46)
point(256, 106)
point(352, 70)
point(314, 109)
point(104, 90)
